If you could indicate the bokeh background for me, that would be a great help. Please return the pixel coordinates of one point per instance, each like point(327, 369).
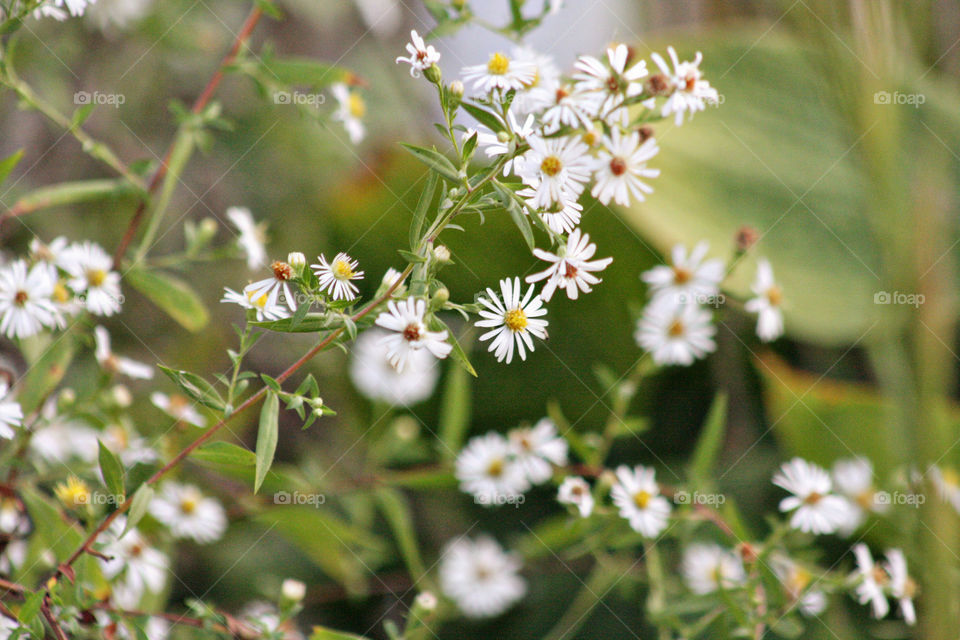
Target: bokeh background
point(852, 196)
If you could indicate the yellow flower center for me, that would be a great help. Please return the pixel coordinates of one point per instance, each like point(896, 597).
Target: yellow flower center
point(496, 468)
point(551, 165)
point(865, 499)
point(676, 329)
point(681, 275)
point(951, 478)
point(342, 270)
point(188, 504)
point(96, 277)
point(774, 295)
point(515, 319)
point(589, 138)
point(60, 293)
point(73, 493)
point(356, 105)
point(641, 499)
point(499, 64)
point(799, 579)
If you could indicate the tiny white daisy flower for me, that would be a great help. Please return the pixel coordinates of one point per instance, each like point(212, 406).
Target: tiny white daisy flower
point(689, 278)
point(537, 448)
point(488, 470)
point(871, 580)
point(273, 287)
point(539, 92)
point(143, 568)
point(252, 237)
point(690, 90)
point(374, 376)
point(11, 415)
point(480, 577)
point(902, 586)
point(854, 480)
point(571, 268)
point(91, 278)
point(621, 164)
point(351, 109)
point(188, 513)
point(266, 310)
point(503, 142)
point(709, 567)
point(561, 217)
point(513, 320)
point(113, 363)
point(129, 447)
point(62, 440)
point(815, 508)
point(798, 583)
point(405, 319)
point(52, 252)
point(767, 303)
point(637, 495)
point(26, 304)
point(421, 55)
point(615, 82)
point(178, 407)
point(557, 169)
point(675, 334)
point(336, 275)
point(55, 9)
point(570, 108)
point(947, 483)
point(575, 490)
point(500, 72)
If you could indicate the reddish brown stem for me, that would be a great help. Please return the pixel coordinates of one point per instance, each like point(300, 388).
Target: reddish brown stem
point(199, 104)
point(52, 621)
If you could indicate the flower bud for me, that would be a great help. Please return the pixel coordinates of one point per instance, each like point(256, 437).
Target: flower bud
point(293, 590)
point(440, 298)
point(646, 132)
point(456, 89)
point(120, 394)
point(208, 227)
point(433, 74)
point(441, 253)
point(296, 260)
point(426, 601)
point(745, 238)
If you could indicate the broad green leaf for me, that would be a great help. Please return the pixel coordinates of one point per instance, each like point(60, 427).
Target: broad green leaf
point(8, 164)
point(139, 504)
point(175, 297)
point(454, 411)
point(436, 161)
point(708, 447)
point(396, 510)
point(267, 436)
point(221, 452)
point(31, 607)
point(484, 117)
point(111, 470)
point(45, 373)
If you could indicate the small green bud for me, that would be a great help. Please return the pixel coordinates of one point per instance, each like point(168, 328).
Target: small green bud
point(433, 74)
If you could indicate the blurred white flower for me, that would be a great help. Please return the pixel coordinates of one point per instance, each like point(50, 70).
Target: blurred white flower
point(575, 490)
point(188, 513)
point(110, 15)
point(637, 495)
point(480, 577)
point(409, 333)
point(26, 304)
point(815, 508)
point(488, 470)
point(178, 407)
point(798, 582)
point(539, 92)
point(902, 586)
point(335, 276)
point(513, 320)
point(674, 333)
point(870, 581)
point(500, 72)
point(113, 363)
point(92, 279)
point(615, 82)
point(11, 415)
point(853, 479)
point(709, 567)
point(689, 278)
point(351, 109)
point(767, 303)
point(947, 483)
point(376, 378)
point(537, 448)
point(690, 91)
point(252, 237)
point(143, 568)
point(421, 55)
point(571, 267)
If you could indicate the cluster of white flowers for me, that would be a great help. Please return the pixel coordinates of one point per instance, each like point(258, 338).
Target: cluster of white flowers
point(875, 582)
point(62, 9)
point(498, 470)
point(60, 281)
point(677, 324)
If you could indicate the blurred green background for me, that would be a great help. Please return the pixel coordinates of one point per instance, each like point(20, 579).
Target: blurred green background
point(852, 196)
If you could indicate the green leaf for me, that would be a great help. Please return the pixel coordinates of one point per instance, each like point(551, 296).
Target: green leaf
point(520, 219)
point(310, 323)
point(66, 193)
point(708, 447)
point(484, 117)
point(7, 164)
point(81, 114)
point(454, 411)
point(267, 436)
point(45, 373)
point(112, 470)
point(458, 353)
point(396, 510)
point(420, 213)
point(303, 71)
point(138, 506)
point(221, 452)
point(271, 382)
point(175, 297)
point(195, 387)
point(322, 633)
point(436, 161)
point(31, 607)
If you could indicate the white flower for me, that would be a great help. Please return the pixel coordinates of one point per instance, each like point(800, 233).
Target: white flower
point(871, 580)
point(614, 82)
point(293, 590)
point(265, 308)
point(272, 288)
point(92, 279)
point(62, 440)
point(251, 238)
point(688, 278)
point(51, 253)
point(500, 72)
point(11, 415)
point(902, 586)
point(561, 217)
point(130, 448)
point(143, 567)
point(503, 142)
point(513, 320)
point(25, 299)
point(188, 513)
point(570, 268)
point(537, 448)
point(422, 56)
point(556, 168)
point(575, 490)
point(481, 577)
point(690, 90)
point(178, 407)
point(113, 363)
point(539, 92)
point(637, 495)
point(621, 164)
point(815, 509)
point(854, 480)
point(570, 108)
point(350, 111)
point(947, 482)
point(675, 334)
point(118, 14)
point(767, 303)
point(55, 8)
point(709, 567)
point(335, 276)
point(798, 582)
point(488, 470)
point(376, 378)
point(405, 319)
point(7, 627)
